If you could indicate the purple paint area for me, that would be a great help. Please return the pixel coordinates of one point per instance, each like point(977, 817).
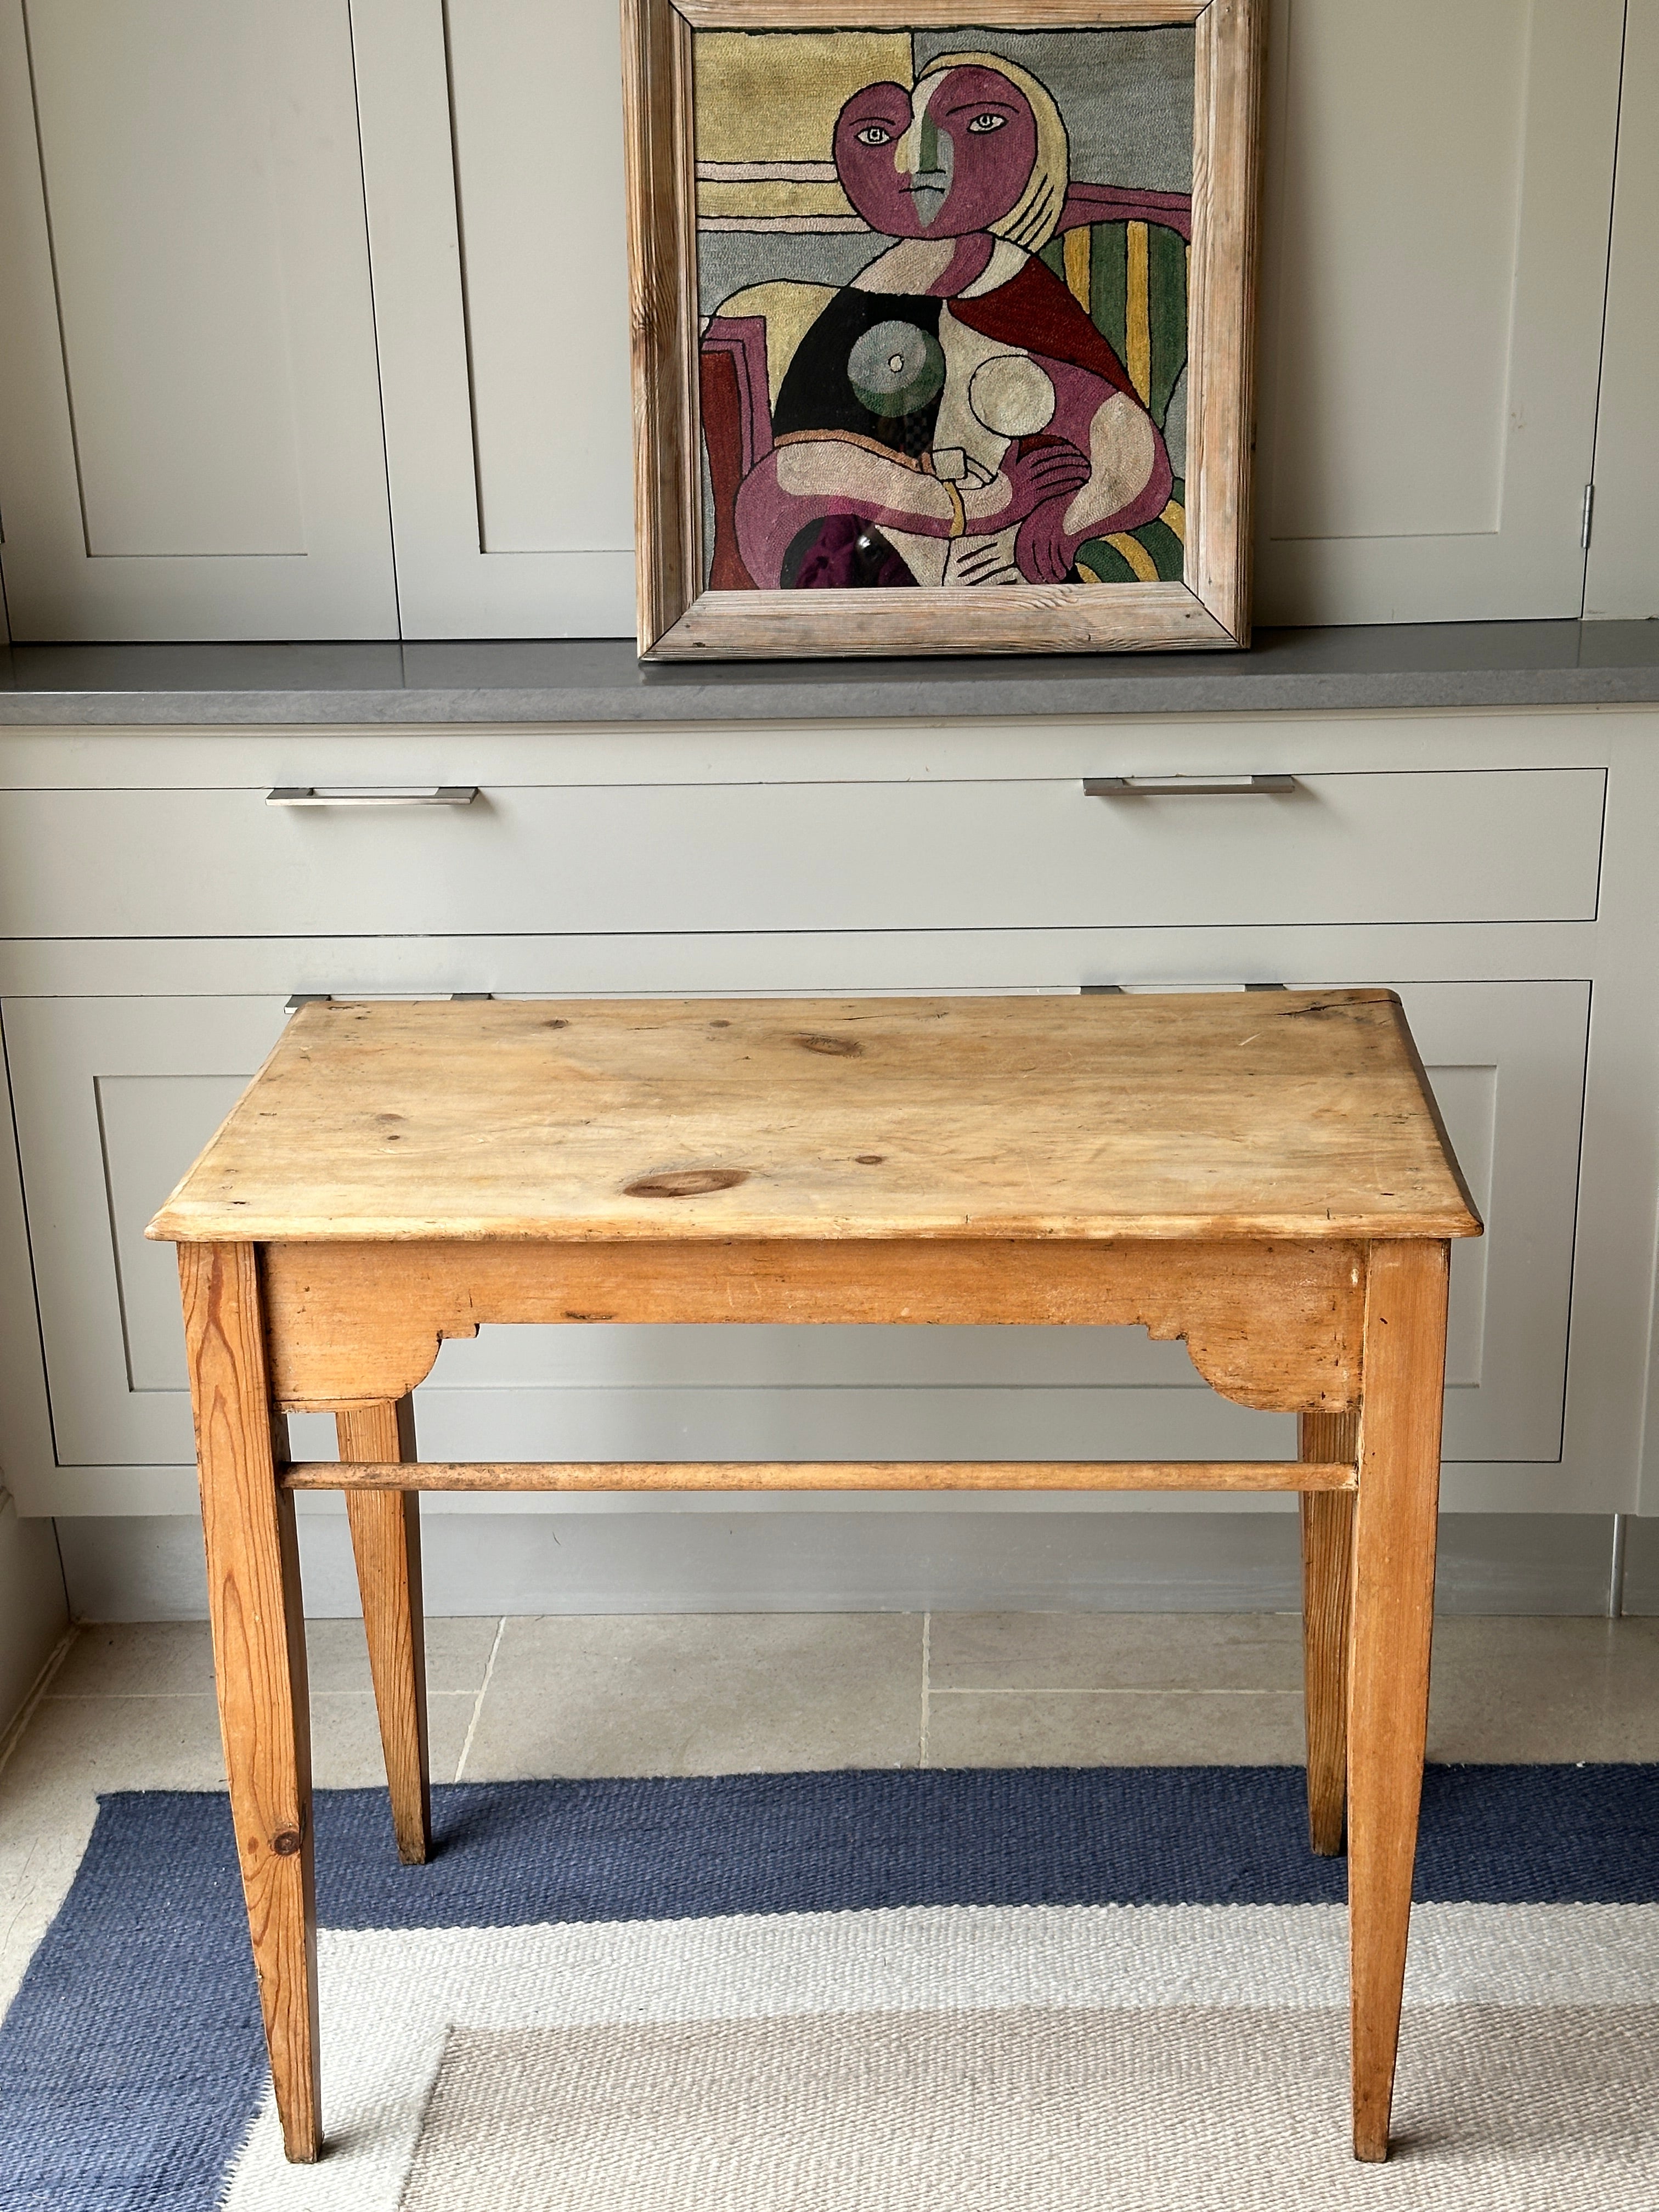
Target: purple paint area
point(846, 554)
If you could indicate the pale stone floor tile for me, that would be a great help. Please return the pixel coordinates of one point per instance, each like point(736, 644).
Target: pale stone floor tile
point(1525, 1690)
point(136, 1658)
point(166, 1658)
point(701, 1694)
point(1128, 1728)
point(75, 1748)
point(345, 1737)
point(1116, 1651)
point(457, 1655)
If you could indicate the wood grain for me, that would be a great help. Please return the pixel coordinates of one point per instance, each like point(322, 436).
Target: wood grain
point(259, 1663)
point(660, 190)
point(923, 14)
point(1231, 38)
point(385, 1538)
point(1275, 1326)
point(1395, 1509)
point(678, 620)
point(364, 1481)
point(844, 625)
point(1293, 1115)
point(1327, 1556)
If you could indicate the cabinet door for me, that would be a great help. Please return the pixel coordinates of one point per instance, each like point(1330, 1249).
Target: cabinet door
point(113, 1098)
point(190, 425)
point(1438, 193)
point(492, 157)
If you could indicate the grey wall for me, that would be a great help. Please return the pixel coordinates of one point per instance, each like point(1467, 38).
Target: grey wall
point(762, 1562)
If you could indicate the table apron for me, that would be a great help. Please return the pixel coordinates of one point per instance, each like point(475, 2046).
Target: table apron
point(1273, 1324)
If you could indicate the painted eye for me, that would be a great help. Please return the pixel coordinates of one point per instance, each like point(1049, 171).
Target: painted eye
point(988, 121)
point(873, 135)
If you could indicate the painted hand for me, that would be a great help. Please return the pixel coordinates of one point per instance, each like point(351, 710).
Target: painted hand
point(1042, 551)
point(1025, 484)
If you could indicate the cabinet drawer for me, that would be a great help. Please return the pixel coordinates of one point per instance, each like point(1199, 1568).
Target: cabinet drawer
point(1421, 846)
point(113, 1098)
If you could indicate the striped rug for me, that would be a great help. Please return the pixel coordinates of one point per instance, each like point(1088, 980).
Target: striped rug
point(1122, 1987)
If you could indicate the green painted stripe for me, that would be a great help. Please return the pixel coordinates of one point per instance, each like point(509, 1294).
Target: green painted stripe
point(1165, 548)
point(1109, 283)
point(1167, 313)
point(1053, 256)
point(1108, 563)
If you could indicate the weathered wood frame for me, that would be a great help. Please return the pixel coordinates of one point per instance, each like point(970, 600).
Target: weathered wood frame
point(680, 621)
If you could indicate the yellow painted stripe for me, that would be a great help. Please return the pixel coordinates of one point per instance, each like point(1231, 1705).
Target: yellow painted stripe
point(1133, 551)
point(1137, 326)
point(1093, 575)
point(1075, 247)
point(772, 196)
point(1175, 515)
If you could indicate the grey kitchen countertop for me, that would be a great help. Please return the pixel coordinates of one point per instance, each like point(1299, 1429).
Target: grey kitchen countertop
point(596, 680)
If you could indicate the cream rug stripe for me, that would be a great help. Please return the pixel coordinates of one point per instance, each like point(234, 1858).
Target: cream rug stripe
point(391, 1998)
point(1206, 2110)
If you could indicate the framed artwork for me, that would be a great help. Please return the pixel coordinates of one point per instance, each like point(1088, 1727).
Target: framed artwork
point(942, 324)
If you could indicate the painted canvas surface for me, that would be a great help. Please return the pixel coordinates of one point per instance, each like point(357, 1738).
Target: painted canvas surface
point(942, 277)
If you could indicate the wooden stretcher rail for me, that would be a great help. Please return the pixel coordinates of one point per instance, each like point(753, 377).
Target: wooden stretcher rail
point(817, 1474)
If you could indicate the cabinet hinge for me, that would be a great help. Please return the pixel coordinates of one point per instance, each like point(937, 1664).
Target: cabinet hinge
point(1585, 514)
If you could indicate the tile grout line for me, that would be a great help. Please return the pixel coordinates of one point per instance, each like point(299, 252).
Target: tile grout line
point(927, 1686)
point(472, 1725)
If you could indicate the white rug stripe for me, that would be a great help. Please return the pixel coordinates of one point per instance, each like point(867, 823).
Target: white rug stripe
point(389, 1997)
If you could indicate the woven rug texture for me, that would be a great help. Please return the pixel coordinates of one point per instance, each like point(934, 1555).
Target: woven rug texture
point(1121, 1989)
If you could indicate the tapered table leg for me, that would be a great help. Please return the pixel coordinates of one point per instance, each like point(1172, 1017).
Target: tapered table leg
point(386, 1536)
point(259, 1660)
point(1326, 1575)
point(1395, 1512)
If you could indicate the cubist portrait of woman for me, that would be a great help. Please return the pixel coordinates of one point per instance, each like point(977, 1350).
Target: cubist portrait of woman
point(982, 380)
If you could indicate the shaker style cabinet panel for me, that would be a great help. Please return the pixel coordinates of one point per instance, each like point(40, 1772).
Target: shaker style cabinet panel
point(1437, 197)
point(286, 280)
point(1430, 846)
point(493, 172)
point(189, 420)
point(113, 1098)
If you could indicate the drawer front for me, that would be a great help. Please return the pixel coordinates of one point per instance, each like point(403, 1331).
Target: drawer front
point(115, 1096)
point(1430, 846)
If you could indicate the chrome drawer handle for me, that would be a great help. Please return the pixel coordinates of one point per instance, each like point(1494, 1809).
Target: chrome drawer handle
point(373, 794)
point(1184, 786)
point(1094, 990)
point(326, 999)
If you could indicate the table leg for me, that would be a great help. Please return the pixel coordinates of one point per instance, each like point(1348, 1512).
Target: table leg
point(259, 1660)
point(1327, 1563)
point(1396, 1514)
point(386, 1536)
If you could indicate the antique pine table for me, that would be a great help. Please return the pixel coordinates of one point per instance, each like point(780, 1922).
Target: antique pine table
point(1264, 1176)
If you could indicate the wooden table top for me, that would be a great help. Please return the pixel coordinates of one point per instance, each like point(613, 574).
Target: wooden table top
point(1223, 1114)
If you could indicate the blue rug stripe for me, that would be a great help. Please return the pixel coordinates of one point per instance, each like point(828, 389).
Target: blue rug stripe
point(131, 2060)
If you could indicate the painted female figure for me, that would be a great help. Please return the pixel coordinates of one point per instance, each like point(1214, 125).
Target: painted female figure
point(952, 416)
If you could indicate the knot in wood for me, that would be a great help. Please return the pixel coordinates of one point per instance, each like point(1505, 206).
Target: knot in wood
point(685, 1182)
point(286, 1843)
